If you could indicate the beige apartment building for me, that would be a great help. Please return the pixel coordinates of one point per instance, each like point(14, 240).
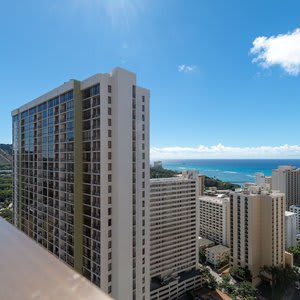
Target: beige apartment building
point(286, 179)
point(257, 230)
point(174, 230)
point(81, 179)
point(201, 182)
point(214, 219)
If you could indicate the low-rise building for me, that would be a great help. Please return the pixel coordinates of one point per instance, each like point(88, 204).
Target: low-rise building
point(217, 255)
point(214, 218)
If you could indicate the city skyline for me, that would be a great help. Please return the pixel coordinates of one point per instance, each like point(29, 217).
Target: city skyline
point(235, 70)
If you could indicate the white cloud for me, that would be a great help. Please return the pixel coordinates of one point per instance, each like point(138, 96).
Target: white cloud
point(221, 151)
point(282, 50)
point(186, 68)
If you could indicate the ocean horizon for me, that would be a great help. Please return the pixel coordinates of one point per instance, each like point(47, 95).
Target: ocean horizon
point(239, 171)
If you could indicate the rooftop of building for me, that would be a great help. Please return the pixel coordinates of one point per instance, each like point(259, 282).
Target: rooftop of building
point(202, 242)
point(218, 249)
point(65, 87)
point(216, 198)
point(157, 282)
point(287, 168)
point(30, 272)
point(256, 190)
point(188, 274)
point(170, 179)
point(262, 174)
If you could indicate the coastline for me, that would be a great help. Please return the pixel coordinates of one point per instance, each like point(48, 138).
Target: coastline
point(236, 171)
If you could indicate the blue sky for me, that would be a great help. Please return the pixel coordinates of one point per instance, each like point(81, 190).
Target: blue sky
point(211, 96)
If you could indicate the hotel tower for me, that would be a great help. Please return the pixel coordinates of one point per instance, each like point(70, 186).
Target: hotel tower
point(81, 179)
point(257, 230)
point(174, 232)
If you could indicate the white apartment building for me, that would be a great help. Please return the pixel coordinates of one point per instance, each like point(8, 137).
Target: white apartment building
point(290, 229)
point(174, 230)
point(200, 179)
point(214, 219)
point(263, 181)
point(257, 230)
point(81, 179)
point(296, 209)
point(286, 179)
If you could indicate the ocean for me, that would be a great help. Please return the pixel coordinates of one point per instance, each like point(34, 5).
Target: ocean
point(237, 171)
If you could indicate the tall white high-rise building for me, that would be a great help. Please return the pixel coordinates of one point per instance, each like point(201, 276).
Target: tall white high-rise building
point(214, 219)
point(296, 209)
point(81, 179)
point(286, 179)
point(257, 230)
point(174, 230)
point(290, 229)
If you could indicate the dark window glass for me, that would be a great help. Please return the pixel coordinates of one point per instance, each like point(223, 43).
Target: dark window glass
point(69, 105)
point(50, 112)
point(70, 136)
point(55, 101)
point(32, 111)
point(92, 91)
point(70, 115)
point(24, 114)
point(70, 126)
